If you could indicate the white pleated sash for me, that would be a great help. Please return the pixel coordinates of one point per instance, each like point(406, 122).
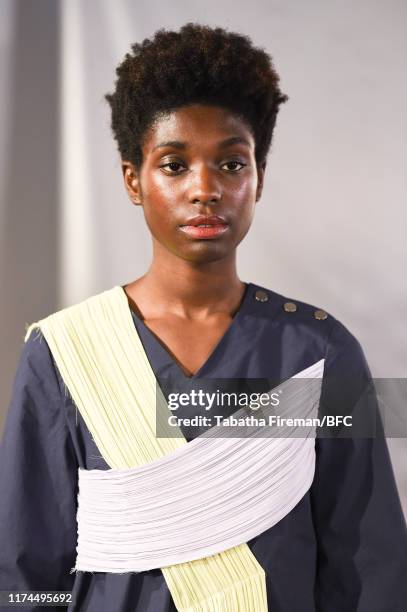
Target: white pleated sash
point(214, 493)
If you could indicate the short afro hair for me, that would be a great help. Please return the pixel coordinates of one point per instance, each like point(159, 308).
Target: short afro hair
point(197, 64)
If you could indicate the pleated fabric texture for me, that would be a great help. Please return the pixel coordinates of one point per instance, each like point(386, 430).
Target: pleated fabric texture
point(103, 364)
point(145, 518)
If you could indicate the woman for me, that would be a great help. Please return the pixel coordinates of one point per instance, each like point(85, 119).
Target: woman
point(193, 114)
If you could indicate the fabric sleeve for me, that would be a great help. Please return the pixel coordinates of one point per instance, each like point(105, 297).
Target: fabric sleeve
point(359, 524)
point(38, 480)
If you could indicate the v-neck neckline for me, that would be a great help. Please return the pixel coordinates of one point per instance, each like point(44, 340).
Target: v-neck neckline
point(167, 354)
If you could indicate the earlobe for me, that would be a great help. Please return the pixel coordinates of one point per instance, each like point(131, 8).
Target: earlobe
point(131, 182)
point(261, 168)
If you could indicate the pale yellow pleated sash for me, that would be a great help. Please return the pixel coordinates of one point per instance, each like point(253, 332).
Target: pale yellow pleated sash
point(103, 364)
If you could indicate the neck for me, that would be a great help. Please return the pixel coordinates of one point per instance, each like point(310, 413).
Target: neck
point(188, 289)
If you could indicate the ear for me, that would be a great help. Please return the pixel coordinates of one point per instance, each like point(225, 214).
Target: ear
point(261, 169)
point(132, 182)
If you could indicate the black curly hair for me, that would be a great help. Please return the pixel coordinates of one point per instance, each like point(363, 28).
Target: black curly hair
point(198, 64)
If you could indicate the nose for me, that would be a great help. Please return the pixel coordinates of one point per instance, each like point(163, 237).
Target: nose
point(204, 188)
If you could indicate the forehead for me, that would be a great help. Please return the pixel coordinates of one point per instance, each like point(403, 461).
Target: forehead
point(197, 123)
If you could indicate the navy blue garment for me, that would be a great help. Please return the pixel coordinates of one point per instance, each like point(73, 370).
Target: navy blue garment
point(343, 548)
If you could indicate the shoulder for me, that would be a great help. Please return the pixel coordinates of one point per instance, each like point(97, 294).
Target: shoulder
point(305, 321)
point(82, 307)
point(36, 396)
point(290, 310)
point(36, 367)
point(36, 359)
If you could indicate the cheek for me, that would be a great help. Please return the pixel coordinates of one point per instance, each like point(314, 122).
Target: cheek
point(245, 198)
point(156, 198)
point(245, 194)
point(245, 188)
point(245, 203)
point(159, 214)
point(160, 194)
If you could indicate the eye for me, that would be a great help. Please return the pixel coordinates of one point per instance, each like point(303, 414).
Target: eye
point(234, 162)
point(174, 167)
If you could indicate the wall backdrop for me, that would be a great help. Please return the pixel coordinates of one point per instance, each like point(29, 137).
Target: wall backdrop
point(330, 228)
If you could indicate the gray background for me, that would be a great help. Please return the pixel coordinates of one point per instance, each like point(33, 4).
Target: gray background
point(331, 226)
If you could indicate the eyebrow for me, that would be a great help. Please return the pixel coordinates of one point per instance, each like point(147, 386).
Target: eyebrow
point(177, 144)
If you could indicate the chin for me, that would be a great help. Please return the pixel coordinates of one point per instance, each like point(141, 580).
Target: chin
point(200, 253)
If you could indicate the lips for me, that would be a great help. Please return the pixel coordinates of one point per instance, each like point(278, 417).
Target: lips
point(205, 220)
point(205, 226)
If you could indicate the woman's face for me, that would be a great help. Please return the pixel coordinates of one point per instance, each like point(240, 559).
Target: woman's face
point(198, 168)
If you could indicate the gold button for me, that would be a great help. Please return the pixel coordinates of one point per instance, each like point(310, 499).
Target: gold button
point(261, 296)
point(320, 314)
point(290, 307)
